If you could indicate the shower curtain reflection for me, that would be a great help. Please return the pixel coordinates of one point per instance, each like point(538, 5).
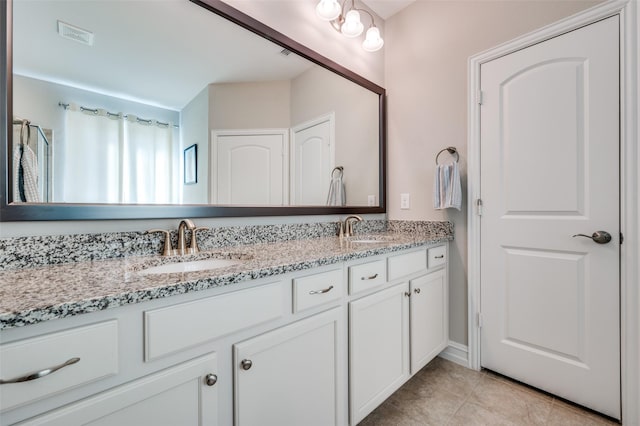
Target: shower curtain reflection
point(110, 158)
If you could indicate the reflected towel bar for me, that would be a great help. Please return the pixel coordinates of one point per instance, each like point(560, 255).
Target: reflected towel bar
point(451, 150)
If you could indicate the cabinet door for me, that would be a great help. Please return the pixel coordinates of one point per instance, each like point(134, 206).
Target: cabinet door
point(177, 396)
point(289, 376)
point(378, 348)
point(429, 318)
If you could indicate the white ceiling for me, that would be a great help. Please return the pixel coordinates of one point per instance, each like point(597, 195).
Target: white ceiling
point(387, 8)
point(158, 52)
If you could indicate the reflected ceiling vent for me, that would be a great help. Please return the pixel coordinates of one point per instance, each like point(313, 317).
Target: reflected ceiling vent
point(75, 33)
point(285, 52)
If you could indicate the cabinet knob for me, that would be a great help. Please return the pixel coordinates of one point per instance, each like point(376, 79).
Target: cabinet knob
point(246, 364)
point(211, 379)
point(407, 293)
point(417, 290)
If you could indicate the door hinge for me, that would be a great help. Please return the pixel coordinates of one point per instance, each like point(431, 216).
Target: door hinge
point(621, 238)
point(479, 97)
point(479, 206)
point(479, 320)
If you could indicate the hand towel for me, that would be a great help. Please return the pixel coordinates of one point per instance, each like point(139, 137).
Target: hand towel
point(25, 166)
point(28, 175)
point(337, 195)
point(447, 190)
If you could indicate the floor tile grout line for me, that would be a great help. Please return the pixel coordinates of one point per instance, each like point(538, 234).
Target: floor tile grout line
point(466, 399)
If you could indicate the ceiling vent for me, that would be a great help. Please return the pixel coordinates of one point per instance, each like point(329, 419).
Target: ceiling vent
point(285, 52)
point(72, 32)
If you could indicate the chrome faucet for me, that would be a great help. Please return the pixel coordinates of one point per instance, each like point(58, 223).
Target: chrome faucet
point(348, 224)
point(182, 249)
point(184, 224)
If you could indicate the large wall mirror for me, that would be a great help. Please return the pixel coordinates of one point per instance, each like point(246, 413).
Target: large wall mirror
point(151, 109)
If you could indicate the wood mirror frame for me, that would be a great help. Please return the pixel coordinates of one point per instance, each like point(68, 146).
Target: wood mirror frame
point(67, 211)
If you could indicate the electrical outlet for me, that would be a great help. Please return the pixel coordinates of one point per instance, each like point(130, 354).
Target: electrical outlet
point(371, 200)
point(405, 201)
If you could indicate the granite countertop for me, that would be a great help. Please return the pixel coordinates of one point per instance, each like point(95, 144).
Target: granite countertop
point(33, 295)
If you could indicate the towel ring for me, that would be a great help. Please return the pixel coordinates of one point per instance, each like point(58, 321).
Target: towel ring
point(451, 150)
point(340, 170)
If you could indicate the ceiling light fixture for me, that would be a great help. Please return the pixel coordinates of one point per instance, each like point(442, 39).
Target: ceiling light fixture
point(348, 22)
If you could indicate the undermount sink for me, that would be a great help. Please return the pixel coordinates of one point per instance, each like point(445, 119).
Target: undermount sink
point(367, 241)
point(192, 266)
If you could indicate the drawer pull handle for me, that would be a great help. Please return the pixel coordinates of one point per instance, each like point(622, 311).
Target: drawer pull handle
point(440, 257)
point(326, 290)
point(41, 373)
point(372, 277)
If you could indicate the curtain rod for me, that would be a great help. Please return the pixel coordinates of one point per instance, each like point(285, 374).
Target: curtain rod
point(116, 114)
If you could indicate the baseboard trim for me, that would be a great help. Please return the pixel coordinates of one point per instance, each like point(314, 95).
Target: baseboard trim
point(456, 352)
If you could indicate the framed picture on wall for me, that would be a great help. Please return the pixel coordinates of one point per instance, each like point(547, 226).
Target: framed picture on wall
point(191, 165)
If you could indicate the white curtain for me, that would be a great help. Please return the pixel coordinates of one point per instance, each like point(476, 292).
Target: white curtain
point(91, 158)
point(112, 159)
point(148, 161)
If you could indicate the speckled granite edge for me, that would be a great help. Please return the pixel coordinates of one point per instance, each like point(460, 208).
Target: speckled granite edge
point(29, 252)
point(61, 310)
point(433, 229)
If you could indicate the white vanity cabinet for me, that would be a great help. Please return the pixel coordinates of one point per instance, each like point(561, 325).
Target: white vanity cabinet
point(429, 317)
point(322, 346)
point(378, 348)
point(290, 376)
point(396, 331)
point(182, 395)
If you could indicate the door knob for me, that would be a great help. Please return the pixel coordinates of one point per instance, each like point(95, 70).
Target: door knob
point(600, 237)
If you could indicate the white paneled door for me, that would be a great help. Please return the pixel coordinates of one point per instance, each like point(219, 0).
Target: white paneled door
point(312, 159)
point(550, 170)
point(249, 167)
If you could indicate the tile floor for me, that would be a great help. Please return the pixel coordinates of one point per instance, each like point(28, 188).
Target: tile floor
point(444, 393)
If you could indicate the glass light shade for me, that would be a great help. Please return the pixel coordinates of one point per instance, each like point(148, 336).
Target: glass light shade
point(328, 10)
point(352, 26)
point(373, 41)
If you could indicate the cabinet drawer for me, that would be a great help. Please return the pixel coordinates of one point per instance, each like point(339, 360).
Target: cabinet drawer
point(437, 256)
point(175, 396)
point(366, 276)
point(178, 327)
point(406, 264)
point(95, 345)
point(317, 289)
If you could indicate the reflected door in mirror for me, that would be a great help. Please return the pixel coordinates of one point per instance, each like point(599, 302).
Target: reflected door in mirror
point(250, 168)
point(312, 160)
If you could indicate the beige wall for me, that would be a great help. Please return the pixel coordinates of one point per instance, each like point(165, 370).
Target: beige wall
point(260, 105)
point(427, 47)
point(194, 125)
point(356, 141)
